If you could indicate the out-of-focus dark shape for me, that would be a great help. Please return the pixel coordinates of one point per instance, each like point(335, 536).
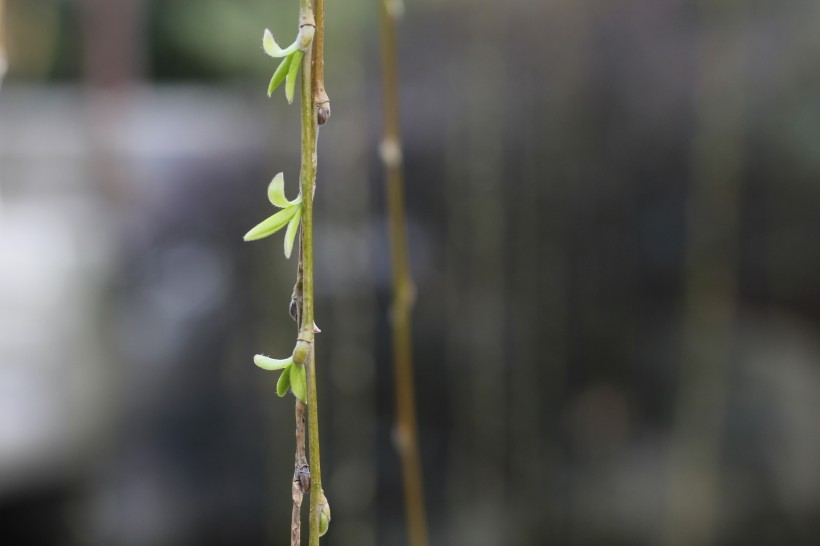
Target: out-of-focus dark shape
point(710, 304)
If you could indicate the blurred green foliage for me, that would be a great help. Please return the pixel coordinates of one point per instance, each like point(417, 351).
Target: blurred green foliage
point(213, 39)
point(43, 39)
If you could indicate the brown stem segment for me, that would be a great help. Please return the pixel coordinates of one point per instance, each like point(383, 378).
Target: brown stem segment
point(301, 471)
point(320, 98)
point(403, 288)
point(301, 477)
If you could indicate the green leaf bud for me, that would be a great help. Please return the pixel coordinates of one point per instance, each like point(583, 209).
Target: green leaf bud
point(300, 352)
point(324, 515)
point(298, 382)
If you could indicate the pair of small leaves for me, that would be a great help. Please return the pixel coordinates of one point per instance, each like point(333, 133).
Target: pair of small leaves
point(287, 69)
point(290, 215)
point(293, 376)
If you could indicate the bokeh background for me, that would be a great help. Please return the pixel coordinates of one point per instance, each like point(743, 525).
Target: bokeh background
point(614, 232)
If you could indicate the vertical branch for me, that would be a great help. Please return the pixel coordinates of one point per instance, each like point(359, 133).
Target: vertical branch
point(307, 182)
point(301, 471)
point(403, 289)
point(301, 476)
point(320, 98)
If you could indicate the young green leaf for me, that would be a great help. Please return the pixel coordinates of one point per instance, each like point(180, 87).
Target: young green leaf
point(290, 84)
point(298, 382)
point(272, 48)
point(268, 363)
point(290, 234)
point(276, 191)
point(283, 384)
point(279, 75)
point(272, 224)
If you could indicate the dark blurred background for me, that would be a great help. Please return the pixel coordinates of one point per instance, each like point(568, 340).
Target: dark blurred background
point(614, 231)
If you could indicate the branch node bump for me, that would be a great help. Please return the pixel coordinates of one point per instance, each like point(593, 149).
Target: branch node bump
point(303, 477)
point(395, 8)
point(390, 151)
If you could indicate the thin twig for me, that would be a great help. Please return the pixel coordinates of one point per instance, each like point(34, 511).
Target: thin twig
point(320, 98)
point(403, 288)
point(301, 471)
point(301, 477)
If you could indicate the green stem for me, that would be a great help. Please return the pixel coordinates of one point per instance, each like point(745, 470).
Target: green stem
point(308, 181)
point(403, 288)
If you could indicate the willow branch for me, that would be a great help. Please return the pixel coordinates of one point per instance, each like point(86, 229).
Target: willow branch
point(301, 477)
point(301, 471)
point(403, 288)
point(307, 182)
point(320, 98)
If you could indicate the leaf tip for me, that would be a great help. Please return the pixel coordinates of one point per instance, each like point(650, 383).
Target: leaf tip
point(268, 363)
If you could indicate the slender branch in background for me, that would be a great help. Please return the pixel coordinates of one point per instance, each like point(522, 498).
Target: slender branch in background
point(403, 289)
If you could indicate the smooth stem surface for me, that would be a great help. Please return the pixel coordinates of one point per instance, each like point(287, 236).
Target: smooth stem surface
point(307, 181)
point(403, 289)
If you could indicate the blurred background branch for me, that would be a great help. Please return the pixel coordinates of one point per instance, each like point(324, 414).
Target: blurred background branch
point(404, 292)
